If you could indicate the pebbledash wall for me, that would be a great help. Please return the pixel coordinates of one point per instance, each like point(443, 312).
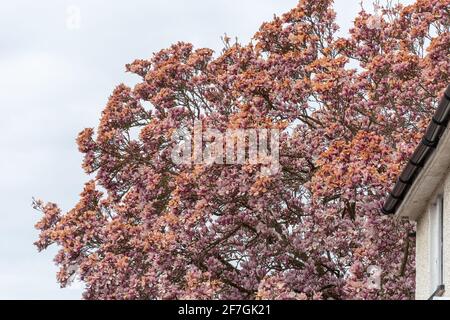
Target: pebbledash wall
point(424, 288)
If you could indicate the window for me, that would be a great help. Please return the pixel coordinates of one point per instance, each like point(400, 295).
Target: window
point(436, 246)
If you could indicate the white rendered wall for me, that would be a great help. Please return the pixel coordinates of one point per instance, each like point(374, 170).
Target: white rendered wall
point(423, 249)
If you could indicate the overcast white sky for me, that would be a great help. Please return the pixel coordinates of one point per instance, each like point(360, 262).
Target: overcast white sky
point(55, 80)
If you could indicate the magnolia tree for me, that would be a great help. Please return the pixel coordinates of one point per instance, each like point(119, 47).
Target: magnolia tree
point(349, 112)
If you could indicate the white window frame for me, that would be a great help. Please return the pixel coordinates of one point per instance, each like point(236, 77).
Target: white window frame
point(436, 231)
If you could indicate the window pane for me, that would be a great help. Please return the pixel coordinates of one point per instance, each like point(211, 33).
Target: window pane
point(436, 244)
point(441, 240)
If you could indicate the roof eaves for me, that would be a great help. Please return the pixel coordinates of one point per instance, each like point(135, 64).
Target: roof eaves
point(420, 156)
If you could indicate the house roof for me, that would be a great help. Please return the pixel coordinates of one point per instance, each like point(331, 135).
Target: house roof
point(423, 173)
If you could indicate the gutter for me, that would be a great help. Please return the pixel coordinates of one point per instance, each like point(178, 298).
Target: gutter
point(420, 156)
